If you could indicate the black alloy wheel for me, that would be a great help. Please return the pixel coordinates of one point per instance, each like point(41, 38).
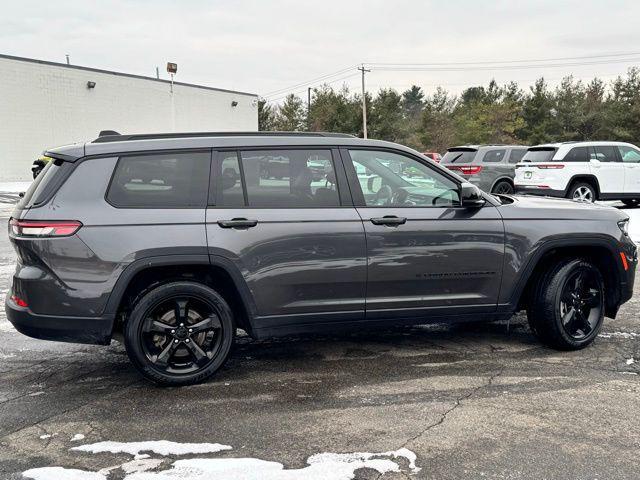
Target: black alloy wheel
point(581, 303)
point(503, 188)
point(179, 333)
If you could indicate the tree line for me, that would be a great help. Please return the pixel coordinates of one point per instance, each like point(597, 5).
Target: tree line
point(574, 110)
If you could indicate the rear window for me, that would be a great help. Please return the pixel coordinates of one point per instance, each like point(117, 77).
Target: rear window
point(516, 155)
point(40, 188)
point(539, 155)
point(282, 178)
point(494, 156)
point(459, 156)
point(173, 180)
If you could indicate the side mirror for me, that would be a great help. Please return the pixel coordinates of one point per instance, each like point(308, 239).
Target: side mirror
point(471, 196)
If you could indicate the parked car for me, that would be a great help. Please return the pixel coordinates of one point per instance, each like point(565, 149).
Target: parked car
point(490, 167)
point(435, 156)
point(584, 171)
point(174, 241)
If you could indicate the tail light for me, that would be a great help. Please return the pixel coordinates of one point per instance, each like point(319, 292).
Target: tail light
point(550, 166)
point(466, 169)
point(18, 301)
point(44, 229)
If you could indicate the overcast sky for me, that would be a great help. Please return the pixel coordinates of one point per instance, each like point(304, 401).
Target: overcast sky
point(263, 46)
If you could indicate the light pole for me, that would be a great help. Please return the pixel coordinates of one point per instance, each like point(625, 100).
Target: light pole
point(172, 69)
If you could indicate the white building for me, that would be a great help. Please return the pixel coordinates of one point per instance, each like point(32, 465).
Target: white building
point(45, 104)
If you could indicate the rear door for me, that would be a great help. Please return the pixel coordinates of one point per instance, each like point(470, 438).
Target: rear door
point(282, 218)
point(426, 254)
point(608, 169)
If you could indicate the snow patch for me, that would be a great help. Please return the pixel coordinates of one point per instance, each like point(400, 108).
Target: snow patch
point(161, 447)
point(322, 466)
point(77, 437)
point(631, 361)
point(625, 335)
point(59, 473)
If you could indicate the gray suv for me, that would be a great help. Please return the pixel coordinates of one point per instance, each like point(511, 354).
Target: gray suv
point(490, 167)
point(175, 241)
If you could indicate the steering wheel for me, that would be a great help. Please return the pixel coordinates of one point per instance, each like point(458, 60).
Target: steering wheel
point(385, 193)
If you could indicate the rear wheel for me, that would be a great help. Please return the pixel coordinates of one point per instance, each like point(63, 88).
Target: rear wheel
point(567, 308)
point(582, 192)
point(179, 333)
point(631, 202)
point(503, 187)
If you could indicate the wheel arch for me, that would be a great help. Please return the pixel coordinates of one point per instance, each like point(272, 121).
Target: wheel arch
point(501, 179)
point(584, 177)
point(601, 251)
point(143, 274)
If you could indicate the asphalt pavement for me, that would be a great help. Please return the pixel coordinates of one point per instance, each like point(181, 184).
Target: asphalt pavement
point(473, 401)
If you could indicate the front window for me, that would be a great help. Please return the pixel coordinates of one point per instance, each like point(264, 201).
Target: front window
point(394, 180)
point(629, 154)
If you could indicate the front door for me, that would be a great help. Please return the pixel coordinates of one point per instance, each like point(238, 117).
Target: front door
point(426, 254)
point(630, 157)
point(279, 217)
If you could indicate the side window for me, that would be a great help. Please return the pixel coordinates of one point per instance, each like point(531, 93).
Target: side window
point(493, 156)
point(229, 182)
point(629, 154)
point(290, 178)
point(516, 155)
point(577, 154)
point(393, 180)
point(606, 153)
point(172, 180)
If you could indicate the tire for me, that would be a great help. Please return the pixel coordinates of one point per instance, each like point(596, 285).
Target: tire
point(582, 192)
point(550, 310)
point(162, 346)
point(631, 202)
point(503, 187)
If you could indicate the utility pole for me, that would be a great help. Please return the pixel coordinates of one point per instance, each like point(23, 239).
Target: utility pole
point(308, 108)
point(364, 102)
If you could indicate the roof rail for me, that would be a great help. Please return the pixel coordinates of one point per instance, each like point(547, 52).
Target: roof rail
point(116, 137)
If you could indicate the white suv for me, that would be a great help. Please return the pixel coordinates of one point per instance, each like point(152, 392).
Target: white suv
point(585, 171)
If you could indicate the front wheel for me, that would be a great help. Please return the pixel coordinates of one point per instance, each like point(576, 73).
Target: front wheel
point(567, 308)
point(582, 192)
point(179, 333)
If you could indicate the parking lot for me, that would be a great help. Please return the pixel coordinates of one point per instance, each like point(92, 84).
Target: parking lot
point(474, 401)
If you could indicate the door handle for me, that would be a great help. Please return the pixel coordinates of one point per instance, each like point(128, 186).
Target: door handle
point(237, 223)
point(390, 220)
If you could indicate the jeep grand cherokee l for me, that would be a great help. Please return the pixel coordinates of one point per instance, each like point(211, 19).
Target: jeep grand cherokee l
point(175, 241)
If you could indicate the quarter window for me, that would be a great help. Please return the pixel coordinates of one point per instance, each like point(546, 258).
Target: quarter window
point(493, 156)
point(289, 178)
point(173, 180)
point(393, 180)
point(578, 154)
point(629, 154)
point(516, 155)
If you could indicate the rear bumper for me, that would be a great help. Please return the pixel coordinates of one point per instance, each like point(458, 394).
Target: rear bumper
point(544, 192)
point(93, 330)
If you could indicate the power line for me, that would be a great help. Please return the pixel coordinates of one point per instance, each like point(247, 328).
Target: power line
point(271, 100)
point(503, 67)
point(308, 82)
point(506, 61)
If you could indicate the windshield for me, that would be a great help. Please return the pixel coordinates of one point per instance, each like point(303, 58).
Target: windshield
point(459, 156)
point(541, 155)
